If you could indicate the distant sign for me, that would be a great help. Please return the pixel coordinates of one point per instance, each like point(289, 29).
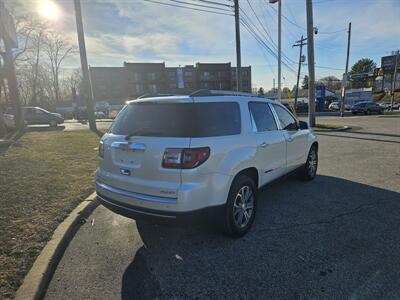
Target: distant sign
point(388, 63)
point(320, 95)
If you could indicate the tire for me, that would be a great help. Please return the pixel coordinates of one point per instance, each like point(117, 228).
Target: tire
point(236, 224)
point(53, 123)
point(309, 170)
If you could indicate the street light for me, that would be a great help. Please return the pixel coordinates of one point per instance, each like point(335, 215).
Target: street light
point(279, 44)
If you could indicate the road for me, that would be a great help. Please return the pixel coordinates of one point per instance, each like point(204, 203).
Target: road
point(336, 237)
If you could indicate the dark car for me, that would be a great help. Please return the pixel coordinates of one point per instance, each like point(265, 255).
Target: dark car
point(37, 116)
point(366, 108)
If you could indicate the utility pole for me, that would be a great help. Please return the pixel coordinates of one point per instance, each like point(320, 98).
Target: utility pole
point(273, 84)
point(394, 79)
point(346, 76)
point(279, 50)
point(238, 54)
point(279, 46)
point(311, 66)
point(299, 44)
point(84, 66)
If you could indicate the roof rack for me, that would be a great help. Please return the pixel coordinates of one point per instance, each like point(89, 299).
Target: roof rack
point(148, 95)
point(206, 92)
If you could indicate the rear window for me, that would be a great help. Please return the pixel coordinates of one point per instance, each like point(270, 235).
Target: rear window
point(178, 119)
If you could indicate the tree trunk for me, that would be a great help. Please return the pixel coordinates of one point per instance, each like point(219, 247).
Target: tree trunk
point(13, 86)
point(34, 94)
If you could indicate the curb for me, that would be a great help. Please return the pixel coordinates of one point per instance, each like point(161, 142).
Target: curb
point(345, 128)
point(39, 276)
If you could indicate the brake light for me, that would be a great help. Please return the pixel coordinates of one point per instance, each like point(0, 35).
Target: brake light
point(185, 158)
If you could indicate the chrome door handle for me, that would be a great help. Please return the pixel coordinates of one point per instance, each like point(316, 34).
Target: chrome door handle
point(128, 146)
point(290, 139)
point(263, 145)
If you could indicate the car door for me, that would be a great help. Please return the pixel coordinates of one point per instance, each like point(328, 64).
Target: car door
point(41, 116)
point(29, 115)
point(271, 143)
point(296, 139)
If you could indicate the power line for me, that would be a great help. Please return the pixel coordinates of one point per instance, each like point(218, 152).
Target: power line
point(191, 8)
point(261, 42)
point(260, 33)
point(200, 5)
point(287, 19)
point(259, 21)
point(214, 3)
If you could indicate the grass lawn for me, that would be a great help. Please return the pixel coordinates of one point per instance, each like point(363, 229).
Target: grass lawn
point(42, 178)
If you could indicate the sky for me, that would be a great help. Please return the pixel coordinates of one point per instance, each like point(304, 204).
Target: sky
point(141, 31)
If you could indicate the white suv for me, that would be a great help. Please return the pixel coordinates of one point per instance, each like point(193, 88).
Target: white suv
point(177, 157)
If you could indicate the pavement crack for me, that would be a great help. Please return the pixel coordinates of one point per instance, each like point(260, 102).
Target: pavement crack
point(332, 219)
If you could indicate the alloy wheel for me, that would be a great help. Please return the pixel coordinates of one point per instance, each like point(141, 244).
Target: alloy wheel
point(243, 206)
point(312, 163)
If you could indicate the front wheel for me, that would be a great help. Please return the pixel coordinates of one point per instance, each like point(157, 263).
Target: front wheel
point(241, 207)
point(309, 170)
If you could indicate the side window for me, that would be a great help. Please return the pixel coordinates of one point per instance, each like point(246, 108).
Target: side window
point(285, 118)
point(262, 116)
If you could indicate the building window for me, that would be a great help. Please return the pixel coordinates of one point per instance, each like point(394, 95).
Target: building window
point(136, 76)
point(153, 88)
point(188, 73)
point(151, 76)
point(189, 84)
point(172, 85)
point(172, 74)
point(206, 74)
point(138, 88)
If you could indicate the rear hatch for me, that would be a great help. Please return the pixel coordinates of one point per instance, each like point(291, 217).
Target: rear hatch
point(135, 145)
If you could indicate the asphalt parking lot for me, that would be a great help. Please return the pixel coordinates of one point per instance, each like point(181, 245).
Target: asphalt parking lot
point(336, 237)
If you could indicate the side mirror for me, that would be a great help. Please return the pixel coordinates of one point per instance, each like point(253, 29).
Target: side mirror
point(303, 125)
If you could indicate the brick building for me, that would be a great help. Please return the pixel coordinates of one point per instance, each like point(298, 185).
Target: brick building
point(118, 84)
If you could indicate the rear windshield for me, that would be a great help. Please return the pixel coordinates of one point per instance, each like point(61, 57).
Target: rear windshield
point(178, 119)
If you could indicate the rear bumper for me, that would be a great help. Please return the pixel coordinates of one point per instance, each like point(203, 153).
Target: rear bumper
point(204, 215)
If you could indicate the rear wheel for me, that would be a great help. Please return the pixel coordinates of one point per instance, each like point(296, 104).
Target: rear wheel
point(309, 169)
point(241, 207)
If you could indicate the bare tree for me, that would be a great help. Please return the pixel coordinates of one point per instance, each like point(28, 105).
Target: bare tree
point(56, 49)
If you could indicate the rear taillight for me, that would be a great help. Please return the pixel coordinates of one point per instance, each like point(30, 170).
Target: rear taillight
point(184, 158)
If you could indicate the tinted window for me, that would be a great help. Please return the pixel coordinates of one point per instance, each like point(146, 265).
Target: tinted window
point(285, 118)
point(178, 119)
point(262, 116)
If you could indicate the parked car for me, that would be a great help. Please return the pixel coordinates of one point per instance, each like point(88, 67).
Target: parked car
point(37, 115)
point(178, 157)
point(10, 122)
point(334, 106)
point(99, 115)
point(385, 105)
point(348, 106)
point(366, 108)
